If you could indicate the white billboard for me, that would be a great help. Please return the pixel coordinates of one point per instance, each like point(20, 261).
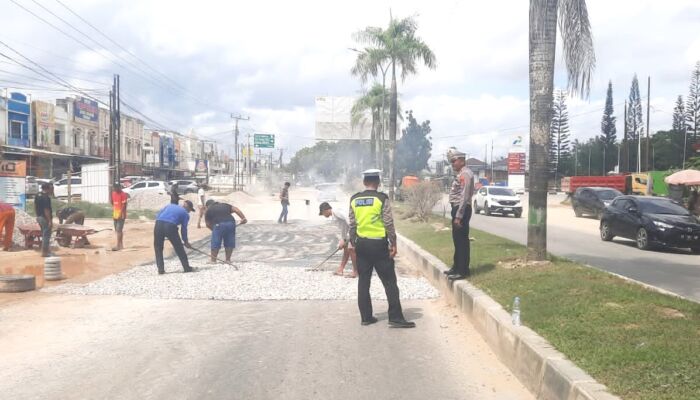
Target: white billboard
point(333, 120)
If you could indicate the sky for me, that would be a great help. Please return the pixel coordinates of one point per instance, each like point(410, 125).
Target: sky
point(200, 62)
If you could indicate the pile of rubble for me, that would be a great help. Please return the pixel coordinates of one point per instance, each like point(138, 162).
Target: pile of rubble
point(21, 218)
point(153, 200)
point(253, 282)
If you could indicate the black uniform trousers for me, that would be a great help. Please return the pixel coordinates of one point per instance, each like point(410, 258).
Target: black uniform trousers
point(168, 230)
point(460, 239)
point(371, 255)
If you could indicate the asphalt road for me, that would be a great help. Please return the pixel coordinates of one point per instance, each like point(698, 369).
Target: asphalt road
point(578, 239)
point(57, 346)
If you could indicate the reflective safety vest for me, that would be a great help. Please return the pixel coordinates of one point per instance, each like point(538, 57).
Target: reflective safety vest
point(368, 207)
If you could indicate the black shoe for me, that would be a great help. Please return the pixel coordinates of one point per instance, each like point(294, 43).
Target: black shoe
point(189, 269)
point(456, 277)
point(402, 324)
point(161, 271)
point(370, 321)
point(450, 271)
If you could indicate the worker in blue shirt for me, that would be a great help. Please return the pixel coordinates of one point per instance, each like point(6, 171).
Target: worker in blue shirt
point(167, 221)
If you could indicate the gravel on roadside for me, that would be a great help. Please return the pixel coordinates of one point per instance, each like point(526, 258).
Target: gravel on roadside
point(254, 281)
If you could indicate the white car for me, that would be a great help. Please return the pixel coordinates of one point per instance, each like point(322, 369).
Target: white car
point(146, 186)
point(60, 188)
point(498, 199)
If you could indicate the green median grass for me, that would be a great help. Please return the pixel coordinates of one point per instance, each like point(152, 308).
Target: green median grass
point(639, 343)
point(92, 210)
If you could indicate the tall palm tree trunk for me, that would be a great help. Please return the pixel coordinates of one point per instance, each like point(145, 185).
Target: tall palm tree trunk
point(393, 116)
point(373, 138)
point(543, 31)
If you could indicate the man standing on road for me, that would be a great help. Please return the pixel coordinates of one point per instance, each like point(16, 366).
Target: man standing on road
point(220, 221)
point(119, 200)
point(44, 216)
point(373, 236)
point(343, 223)
point(201, 201)
point(167, 221)
point(284, 199)
point(460, 199)
point(7, 224)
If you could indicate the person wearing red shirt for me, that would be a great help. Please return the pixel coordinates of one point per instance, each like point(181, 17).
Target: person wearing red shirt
point(7, 221)
point(119, 200)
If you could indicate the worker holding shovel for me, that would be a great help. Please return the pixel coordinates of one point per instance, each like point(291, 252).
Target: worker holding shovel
point(219, 219)
point(343, 223)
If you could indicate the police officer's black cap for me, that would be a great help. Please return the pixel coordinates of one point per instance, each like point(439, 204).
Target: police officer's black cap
point(323, 207)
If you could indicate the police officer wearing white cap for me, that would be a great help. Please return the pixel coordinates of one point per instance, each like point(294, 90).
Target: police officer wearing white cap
point(373, 235)
point(460, 199)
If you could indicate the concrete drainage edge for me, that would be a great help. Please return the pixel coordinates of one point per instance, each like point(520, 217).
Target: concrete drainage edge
point(535, 362)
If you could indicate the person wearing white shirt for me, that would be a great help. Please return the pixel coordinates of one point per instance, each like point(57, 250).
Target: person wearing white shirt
point(201, 205)
point(343, 223)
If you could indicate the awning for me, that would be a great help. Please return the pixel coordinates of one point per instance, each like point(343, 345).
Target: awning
point(23, 151)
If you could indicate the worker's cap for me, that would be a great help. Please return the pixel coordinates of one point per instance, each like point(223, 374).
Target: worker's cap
point(371, 173)
point(453, 154)
point(188, 206)
point(323, 207)
point(209, 202)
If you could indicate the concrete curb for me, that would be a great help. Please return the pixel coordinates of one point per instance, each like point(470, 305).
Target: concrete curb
point(535, 362)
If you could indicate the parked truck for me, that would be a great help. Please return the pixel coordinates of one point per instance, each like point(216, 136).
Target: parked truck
point(628, 184)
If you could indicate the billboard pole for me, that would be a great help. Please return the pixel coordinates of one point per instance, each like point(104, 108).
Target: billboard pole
point(236, 164)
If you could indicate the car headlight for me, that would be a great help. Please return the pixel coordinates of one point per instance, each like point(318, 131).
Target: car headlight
point(662, 225)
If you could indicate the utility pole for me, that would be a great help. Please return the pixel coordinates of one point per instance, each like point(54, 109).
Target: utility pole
point(235, 165)
point(111, 133)
point(646, 159)
point(250, 164)
point(492, 159)
point(118, 128)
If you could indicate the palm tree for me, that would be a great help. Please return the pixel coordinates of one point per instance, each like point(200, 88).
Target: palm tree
point(372, 102)
point(577, 45)
point(399, 46)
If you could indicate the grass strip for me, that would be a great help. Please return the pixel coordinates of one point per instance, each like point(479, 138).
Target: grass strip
point(92, 210)
point(639, 343)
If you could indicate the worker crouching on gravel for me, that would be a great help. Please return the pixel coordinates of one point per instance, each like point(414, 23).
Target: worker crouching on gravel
point(68, 216)
point(167, 221)
point(341, 220)
point(220, 221)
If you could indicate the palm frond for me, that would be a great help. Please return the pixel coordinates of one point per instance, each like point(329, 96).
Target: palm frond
point(371, 35)
point(577, 44)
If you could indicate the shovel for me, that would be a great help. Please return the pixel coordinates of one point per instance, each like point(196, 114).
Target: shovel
point(317, 268)
point(218, 259)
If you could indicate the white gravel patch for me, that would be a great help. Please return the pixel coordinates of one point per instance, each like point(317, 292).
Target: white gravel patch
point(254, 281)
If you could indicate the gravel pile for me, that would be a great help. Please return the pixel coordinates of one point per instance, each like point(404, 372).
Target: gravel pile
point(254, 281)
point(152, 200)
point(21, 218)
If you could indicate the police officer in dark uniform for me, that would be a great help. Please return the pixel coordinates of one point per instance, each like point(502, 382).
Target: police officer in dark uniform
point(373, 235)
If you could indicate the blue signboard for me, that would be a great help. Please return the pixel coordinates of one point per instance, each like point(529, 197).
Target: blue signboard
point(86, 109)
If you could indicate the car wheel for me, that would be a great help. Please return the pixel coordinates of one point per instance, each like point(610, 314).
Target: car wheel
point(518, 214)
point(476, 207)
point(578, 213)
point(487, 211)
point(605, 232)
point(643, 239)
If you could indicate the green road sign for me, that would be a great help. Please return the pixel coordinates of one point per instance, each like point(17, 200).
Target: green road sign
point(264, 141)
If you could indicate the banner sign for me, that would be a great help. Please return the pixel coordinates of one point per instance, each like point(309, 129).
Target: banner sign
point(264, 141)
point(11, 168)
point(86, 109)
point(13, 182)
point(201, 168)
point(516, 163)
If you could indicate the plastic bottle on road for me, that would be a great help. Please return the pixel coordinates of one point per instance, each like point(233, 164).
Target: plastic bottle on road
point(516, 311)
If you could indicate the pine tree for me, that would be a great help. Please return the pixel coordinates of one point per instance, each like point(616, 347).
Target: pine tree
point(607, 126)
point(635, 124)
point(559, 145)
point(692, 106)
point(679, 116)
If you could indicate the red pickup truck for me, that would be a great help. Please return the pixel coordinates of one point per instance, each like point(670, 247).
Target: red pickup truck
point(623, 183)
